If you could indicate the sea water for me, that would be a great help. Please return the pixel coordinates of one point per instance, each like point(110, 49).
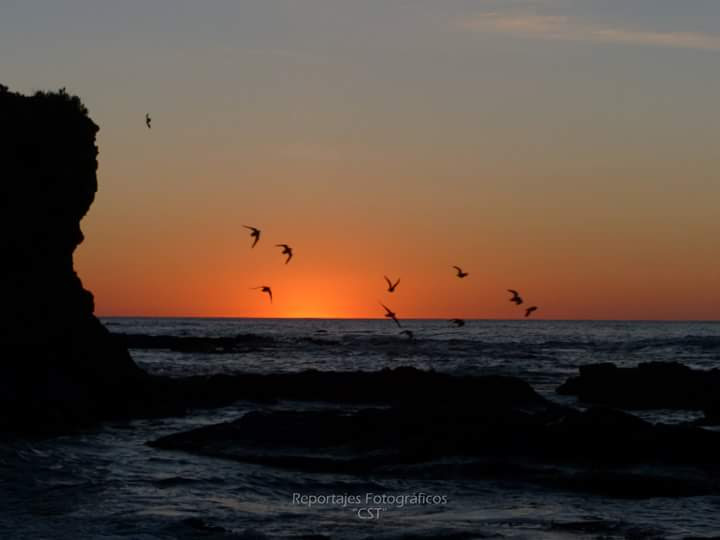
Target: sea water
point(106, 483)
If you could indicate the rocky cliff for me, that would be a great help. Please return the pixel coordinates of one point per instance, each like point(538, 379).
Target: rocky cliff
point(59, 365)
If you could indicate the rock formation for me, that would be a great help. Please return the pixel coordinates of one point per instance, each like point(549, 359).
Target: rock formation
point(60, 366)
point(650, 385)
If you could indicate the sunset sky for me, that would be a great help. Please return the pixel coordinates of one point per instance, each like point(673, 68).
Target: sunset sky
point(564, 148)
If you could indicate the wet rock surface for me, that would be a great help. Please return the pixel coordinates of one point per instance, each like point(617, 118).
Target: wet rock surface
point(651, 385)
point(599, 450)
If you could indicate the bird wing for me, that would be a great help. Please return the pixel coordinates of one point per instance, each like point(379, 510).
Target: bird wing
point(386, 308)
point(514, 292)
point(284, 246)
point(257, 239)
point(457, 268)
point(289, 257)
point(396, 283)
point(249, 227)
point(388, 281)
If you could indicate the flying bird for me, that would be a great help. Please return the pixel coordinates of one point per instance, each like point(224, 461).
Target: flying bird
point(408, 333)
point(458, 322)
point(255, 233)
point(460, 273)
point(265, 289)
point(390, 314)
point(516, 297)
point(287, 250)
point(391, 285)
point(529, 310)
point(148, 120)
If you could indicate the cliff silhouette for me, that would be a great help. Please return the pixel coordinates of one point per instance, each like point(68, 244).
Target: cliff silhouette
point(60, 365)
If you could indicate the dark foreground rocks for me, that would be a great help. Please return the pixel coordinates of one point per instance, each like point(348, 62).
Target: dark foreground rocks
point(599, 450)
point(386, 386)
point(652, 385)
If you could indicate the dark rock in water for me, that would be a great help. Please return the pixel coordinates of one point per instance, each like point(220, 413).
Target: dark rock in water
point(712, 415)
point(599, 450)
point(402, 385)
point(415, 432)
point(652, 385)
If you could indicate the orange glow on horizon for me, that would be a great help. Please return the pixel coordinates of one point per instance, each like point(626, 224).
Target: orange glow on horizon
point(581, 171)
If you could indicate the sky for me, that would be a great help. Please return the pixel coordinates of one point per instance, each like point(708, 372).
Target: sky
point(564, 148)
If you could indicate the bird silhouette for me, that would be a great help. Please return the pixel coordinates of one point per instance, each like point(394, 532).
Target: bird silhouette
point(516, 297)
point(255, 233)
point(529, 310)
point(460, 273)
point(408, 333)
point(391, 285)
point(390, 314)
point(265, 289)
point(287, 250)
point(458, 322)
point(148, 120)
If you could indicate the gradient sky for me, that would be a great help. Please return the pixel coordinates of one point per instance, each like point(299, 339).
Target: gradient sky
point(565, 148)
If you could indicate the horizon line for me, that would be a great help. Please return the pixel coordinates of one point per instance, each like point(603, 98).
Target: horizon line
point(221, 317)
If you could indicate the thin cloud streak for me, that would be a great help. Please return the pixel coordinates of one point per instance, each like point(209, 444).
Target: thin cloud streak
point(565, 28)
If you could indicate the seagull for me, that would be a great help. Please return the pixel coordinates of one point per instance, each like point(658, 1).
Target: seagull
point(287, 250)
point(460, 273)
point(529, 310)
point(266, 289)
point(390, 314)
point(516, 297)
point(391, 285)
point(254, 234)
point(458, 322)
point(148, 120)
point(408, 333)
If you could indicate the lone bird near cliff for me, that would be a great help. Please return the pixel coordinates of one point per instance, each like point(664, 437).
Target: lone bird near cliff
point(458, 322)
point(391, 285)
point(148, 120)
point(516, 297)
point(287, 250)
point(265, 289)
point(390, 314)
point(529, 310)
point(255, 233)
point(460, 273)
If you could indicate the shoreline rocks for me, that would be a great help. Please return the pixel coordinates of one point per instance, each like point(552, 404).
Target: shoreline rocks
point(598, 450)
point(651, 385)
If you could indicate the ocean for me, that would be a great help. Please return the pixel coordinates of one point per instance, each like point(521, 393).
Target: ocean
point(106, 483)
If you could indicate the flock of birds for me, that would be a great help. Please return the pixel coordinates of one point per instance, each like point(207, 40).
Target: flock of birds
point(391, 286)
point(390, 314)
